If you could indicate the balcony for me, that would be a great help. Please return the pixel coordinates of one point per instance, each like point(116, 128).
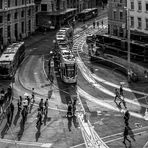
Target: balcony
point(37, 1)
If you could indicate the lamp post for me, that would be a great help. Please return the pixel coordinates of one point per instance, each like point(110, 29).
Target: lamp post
point(128, 41)
point(128, 37)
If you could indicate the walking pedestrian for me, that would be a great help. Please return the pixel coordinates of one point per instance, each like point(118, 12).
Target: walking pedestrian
point(9, 93)
point(33, 94)
point(102, 23)
point(125, 135)
point(74, 106)
point(24, 115)
point(19, 103)
point(69, 118)
point(121, 90)
point(46, 104)
point(8, 116)
point(12, 111)
point(117, 96)
point(98, 24)
point(39, 117)
point(126, 117)
point(94, 24)
point(41, 105)
point(69, 109)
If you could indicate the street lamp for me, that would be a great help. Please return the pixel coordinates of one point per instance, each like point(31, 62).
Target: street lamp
point(128, 40)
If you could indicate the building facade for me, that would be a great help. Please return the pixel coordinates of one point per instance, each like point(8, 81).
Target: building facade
point(55, 13)
point(17, 20)
point(117, 18)
point(138, 10)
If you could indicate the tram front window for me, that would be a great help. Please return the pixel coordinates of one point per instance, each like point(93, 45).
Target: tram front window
point(70, 71)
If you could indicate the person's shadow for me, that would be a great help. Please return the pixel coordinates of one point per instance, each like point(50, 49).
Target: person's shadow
point(20, 133)
point(46, 119)
point(4, 131)
point(16, 118)
point(131, 134)
point(38, 133)
point(75, 122)
point(69, 123)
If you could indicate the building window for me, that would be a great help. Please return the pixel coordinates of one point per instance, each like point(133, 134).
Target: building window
point(29, 12)
point(132, 5)
point(120, 1)
point(146, 6)
point(15, 15)
point(52, 7)
point(22, 13)
point(1, 4)
point(114, 14)
point(139, 6)
point(22, 27)
point(132, 21)
point(23, 2)
point(15, 2)
point(1, 19)
point(29, 26)
point(8, 3)
point(43, 7)
point(36, 9)
point(121, 15)
point(139, 23)
point(146, 23)
point(8, 32)
point(8, 17)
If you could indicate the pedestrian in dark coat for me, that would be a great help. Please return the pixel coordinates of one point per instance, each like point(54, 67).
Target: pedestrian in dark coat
point(24, 115)
point(125, 135)
point(121, 90)
point(126, 118)
point(12, 111)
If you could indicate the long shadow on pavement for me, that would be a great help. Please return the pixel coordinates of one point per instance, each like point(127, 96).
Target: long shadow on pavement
point(16, 118)
point(38, 133)
point(4, 131)
point(20, 133)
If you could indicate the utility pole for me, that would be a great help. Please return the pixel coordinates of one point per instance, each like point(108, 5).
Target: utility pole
point(128, 37)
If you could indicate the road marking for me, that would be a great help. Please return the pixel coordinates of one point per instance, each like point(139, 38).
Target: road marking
point(26, 143)
point(122, 137)
point(139, 133)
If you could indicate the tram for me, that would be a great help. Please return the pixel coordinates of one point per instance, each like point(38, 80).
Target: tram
point(119, 46)
point(87, 14)
point(68, 67)
point(65, 36)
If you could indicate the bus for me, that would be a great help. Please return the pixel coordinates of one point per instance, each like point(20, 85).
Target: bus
point(119, 46)
point(10, 59)
point(68, 67)
point(65, 36)
point(87, 14)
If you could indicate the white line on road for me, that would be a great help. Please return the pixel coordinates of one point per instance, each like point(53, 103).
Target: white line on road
point(43, 145)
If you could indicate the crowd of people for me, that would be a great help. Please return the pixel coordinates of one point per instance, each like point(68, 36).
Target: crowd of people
point(25, 106)
point(119, 98)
